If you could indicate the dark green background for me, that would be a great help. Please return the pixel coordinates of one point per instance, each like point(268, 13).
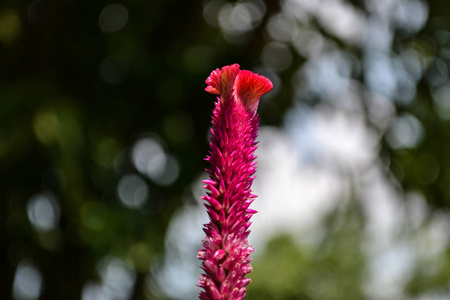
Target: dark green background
point(62, 127)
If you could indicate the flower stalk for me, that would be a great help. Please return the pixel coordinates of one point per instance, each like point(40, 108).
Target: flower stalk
point(226, 250)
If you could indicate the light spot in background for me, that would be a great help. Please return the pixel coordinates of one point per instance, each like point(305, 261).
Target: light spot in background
point(308, 43)
point(175, 275)
point(257, 10)
point(279, 28)
point(299, 9)
point(113, 18)
point(383, 211)
point(9, 26)
point(113, 69)
point(211, 10)
point(27, 283)
point(307, 195)
point(235, 19)
point(318, 137)
point(43, 212)
point(379, 36)
point(325, 76)
point(406, 71)
point(133, 191)
point(118, 281)
point(413, 63)
point(437, 73)
point(310, 7)
point(406, 88)
point(150, 158)
point(380, 111)
point(433, 240)
point(441, 100)
point(392, 77)
point(389, 271)
point(411, 15)
point(343, 20)
point(381, 7)
point(416, 209)
point(406, 132)
point(118, 278)
point(93, 291)
point(276, 56)
point(46, 126)
point(171, 172)
point(380, 74)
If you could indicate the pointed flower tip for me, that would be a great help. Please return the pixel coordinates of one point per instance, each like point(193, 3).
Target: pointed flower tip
point(213, 82)
point(221, 81)
point(246, 86)
point(227, 80)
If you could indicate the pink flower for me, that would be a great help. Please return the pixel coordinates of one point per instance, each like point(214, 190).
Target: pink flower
point(226, 251)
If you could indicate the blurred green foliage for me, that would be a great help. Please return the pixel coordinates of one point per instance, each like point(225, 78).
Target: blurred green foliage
point(77, 90)
point(334, 269)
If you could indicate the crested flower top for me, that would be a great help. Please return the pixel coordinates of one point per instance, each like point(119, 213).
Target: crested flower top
point(226, 250)
point(242, 85)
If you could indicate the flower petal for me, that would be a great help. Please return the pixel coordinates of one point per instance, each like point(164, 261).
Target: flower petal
point(249, 87)
point(221, 82)
point(213, 82)
point(227, 78)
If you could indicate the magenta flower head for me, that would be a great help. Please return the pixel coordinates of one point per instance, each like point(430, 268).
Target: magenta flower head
point(226, 251)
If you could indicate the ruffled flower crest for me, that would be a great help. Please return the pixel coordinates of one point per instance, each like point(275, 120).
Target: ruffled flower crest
point(241, 85)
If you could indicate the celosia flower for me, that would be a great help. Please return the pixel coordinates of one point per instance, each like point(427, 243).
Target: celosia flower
point(226, 250)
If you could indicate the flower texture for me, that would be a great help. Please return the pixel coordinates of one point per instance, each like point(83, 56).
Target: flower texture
point(226, 251)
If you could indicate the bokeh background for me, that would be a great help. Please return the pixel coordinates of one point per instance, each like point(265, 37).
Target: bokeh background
point(104, 127)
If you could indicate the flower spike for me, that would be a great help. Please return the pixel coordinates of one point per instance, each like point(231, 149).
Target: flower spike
point(226, 250)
